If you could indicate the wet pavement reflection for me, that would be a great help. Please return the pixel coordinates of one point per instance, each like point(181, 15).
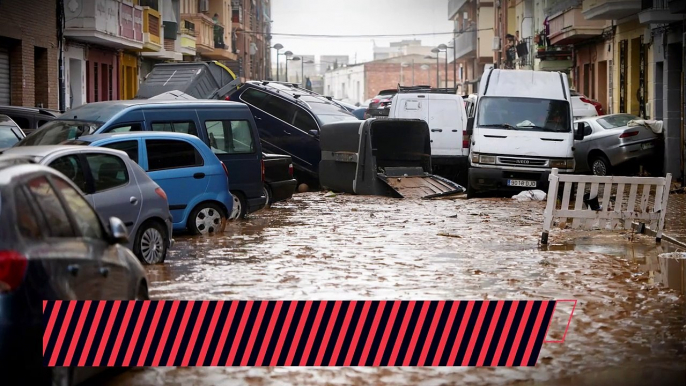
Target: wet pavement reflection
point(631, 312)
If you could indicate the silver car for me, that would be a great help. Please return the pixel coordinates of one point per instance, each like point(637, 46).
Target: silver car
point(608, 142)
point(116, 187)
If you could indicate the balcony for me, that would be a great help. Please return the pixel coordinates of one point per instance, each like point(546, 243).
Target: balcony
point(237, 14)
point(610, 9)
point(151, 30)
point(571, 27)
point(658, 12)
point(100, 22)
point(187, 38)
point(221, 49)
point(454, 7)
point(465, 45)
point(677, 6)
point(204, 31)
point(554, 53)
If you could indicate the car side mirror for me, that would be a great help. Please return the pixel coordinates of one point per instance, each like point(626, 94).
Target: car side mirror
point(579, 132)
point(315, 133)
point(470, 126)
point(118, 232)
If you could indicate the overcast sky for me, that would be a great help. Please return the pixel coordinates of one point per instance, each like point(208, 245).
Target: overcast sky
point(356, 17)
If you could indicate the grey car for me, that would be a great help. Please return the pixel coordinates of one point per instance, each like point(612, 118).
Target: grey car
point(10, 133)
point(608, 142)
point(115, 186)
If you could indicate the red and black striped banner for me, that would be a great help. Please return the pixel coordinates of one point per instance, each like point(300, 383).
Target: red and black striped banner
point(294, 333)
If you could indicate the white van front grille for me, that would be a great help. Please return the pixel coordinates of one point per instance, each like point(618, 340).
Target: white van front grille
point(522, 161)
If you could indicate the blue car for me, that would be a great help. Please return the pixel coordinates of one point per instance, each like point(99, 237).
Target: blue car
point(195, 180)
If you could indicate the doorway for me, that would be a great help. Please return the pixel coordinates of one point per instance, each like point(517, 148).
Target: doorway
point(75, 83)
point(602, 85)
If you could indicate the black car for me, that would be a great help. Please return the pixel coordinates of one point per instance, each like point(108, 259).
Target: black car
point(53, 246)
point(380, 105)
point(10, 133)
point(29, 118)
point(288, 119)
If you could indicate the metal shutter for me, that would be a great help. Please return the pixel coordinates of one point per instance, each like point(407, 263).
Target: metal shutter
point(4, 77)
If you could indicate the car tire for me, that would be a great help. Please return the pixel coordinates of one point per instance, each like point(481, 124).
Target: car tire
point(600, 165)
point(150, 245)
point(268, 194)
point(142, 293)
point(206, 218)
point(240, 207)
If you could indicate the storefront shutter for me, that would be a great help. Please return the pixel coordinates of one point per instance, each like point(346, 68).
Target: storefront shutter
point(4, 77)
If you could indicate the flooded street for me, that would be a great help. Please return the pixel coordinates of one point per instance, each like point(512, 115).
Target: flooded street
point(629, 325)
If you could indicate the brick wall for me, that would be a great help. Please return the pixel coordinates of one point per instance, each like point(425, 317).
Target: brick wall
point(27, 24)
point(382, 76)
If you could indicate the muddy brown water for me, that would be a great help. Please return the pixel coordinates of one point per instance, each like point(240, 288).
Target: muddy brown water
point(629, 326)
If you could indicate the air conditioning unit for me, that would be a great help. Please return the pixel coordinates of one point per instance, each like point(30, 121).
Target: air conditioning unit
point(203, 6)
point(496, 43)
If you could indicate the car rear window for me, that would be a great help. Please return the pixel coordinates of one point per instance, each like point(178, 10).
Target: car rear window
point(615, 121)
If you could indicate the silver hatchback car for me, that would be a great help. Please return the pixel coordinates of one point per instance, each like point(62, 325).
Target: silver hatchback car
point(116, 187)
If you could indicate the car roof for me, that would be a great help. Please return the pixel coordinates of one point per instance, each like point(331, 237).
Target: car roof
point(138, 134)
point(289, 90)
point(13, 166)
point(5, 118)
point(111, 109)
point(45, 150)
point(30, 110)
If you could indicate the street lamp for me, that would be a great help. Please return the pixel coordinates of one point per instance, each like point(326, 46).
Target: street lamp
point(288, 55)
point(438, 69)
point(302, 70)
point(277, 47)
point(444, 48)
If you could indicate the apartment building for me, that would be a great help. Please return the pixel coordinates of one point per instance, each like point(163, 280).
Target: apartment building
point(471, 49)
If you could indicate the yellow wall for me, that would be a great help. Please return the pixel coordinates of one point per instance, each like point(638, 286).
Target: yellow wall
point(484, 35)
point(128, 76)
point(512, 26)
point(630, 31)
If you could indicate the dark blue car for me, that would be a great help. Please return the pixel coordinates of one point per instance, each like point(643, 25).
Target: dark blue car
point(288, 119)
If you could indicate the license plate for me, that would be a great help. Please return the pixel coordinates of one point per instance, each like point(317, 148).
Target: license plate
point(521, 183)
point(647, 145)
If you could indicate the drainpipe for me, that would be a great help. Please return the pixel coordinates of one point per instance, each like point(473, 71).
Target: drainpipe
point(60, 43)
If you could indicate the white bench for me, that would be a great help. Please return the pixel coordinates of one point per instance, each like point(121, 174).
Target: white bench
point(649, 208)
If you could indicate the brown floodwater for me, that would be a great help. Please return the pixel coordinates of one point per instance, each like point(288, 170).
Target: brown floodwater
point(629, 326)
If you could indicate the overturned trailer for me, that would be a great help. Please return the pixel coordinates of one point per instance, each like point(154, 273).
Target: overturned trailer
point(383, 157)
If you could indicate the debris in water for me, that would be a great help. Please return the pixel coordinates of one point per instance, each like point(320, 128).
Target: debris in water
point(531, 195)
point(450, 235)
point(303, 188)
point(330, 194)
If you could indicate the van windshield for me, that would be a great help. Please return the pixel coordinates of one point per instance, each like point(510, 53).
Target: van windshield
point(58, 131)
point(525, 114)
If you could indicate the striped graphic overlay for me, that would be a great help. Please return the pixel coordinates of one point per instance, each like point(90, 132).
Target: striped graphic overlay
point(294, 333)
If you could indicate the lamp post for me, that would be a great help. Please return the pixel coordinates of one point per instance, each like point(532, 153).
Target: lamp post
point(295, 59)
point(426, 68)
point(277, 47)
point(438, 69)
point(444, 48)
point(288, 55)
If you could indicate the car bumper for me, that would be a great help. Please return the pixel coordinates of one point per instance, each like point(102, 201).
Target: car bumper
point(496, 180)
point(255, 204)
point(450, 160)
point(631, 152)
point(282, 190)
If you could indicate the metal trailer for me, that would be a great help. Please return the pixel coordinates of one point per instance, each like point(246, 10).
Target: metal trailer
point(383, 157)
point(201, 80)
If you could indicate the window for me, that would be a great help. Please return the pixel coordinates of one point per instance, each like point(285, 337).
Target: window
point(176, 127)
point(304, 121)
point(254, 97)
point(71, 167)
point(526, 114)
point(130, 147)
point(125, 128)
point(7, 136)
point(279, 108)
point(587, 129)
point(22, 122)
point(86, 219)
point(615, 121)
point(26, 218)
point(171, 154)
point(109, 171)
point(55, 132)
point(230, 137)
point(51, 207)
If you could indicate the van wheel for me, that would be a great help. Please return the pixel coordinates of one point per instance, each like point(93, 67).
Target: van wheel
point(267, 193)
point(151, 243)
point(206, 218)
point(240, 207)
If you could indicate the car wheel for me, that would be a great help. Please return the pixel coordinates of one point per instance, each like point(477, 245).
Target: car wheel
point(142, 293)
point(267, 193)
point(206, 218)
point(151, 243)
point(240, 208)
point(600, 166)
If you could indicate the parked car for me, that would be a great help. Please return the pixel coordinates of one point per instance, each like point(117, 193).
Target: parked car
point(584, 107)
point(360, 113)
point(195, 180)
point(608, 142)
point(289, 119)
point(380, 105)
point(116, 187)
point(29, 118)
point(53, 246)
point(10, 133)
point(279, 184)
point(228, 128)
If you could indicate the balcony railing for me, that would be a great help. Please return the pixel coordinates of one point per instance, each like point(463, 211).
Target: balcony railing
point(454, 6)
point(657, 12)
point(151, 25)
point(219, 36)
point(465, 44)
point(557, 6)
point(188, 28)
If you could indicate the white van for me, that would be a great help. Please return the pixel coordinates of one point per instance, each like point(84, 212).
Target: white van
point(444, 111)
point(523, 127)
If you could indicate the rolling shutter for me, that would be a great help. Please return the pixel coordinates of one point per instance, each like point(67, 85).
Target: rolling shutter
point(4, 76)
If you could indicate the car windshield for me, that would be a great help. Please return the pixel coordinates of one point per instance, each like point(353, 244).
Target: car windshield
point(7, 137)
point(615, 121)
point(525, 114)
point(328, 112)
point(57, 131)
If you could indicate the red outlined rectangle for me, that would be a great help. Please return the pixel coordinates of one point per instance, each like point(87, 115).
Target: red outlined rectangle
point(568, 321)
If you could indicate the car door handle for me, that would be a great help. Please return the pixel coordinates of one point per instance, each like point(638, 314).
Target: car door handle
point(437, 130)
point(286, 132)
point(73, 269)
point(199, 176)
point(257, 118)
point(133, 200)
point(104, 271)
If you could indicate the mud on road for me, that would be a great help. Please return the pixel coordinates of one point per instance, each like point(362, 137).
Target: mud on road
point(629, 325)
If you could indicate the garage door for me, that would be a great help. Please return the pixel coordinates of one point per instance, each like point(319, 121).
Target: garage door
point(4, 77)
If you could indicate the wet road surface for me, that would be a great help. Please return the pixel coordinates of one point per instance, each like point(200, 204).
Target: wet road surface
point(629, 326)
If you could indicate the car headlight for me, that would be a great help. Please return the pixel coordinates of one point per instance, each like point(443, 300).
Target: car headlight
point(487, 159)
point(562, 163)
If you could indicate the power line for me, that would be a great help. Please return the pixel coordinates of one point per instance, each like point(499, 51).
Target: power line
point(346, 36)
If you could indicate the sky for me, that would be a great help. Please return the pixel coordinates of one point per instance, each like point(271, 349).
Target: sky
point(356, 17)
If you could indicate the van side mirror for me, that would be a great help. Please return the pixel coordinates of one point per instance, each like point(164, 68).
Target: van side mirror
point(470, 125)
point(579, 132)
